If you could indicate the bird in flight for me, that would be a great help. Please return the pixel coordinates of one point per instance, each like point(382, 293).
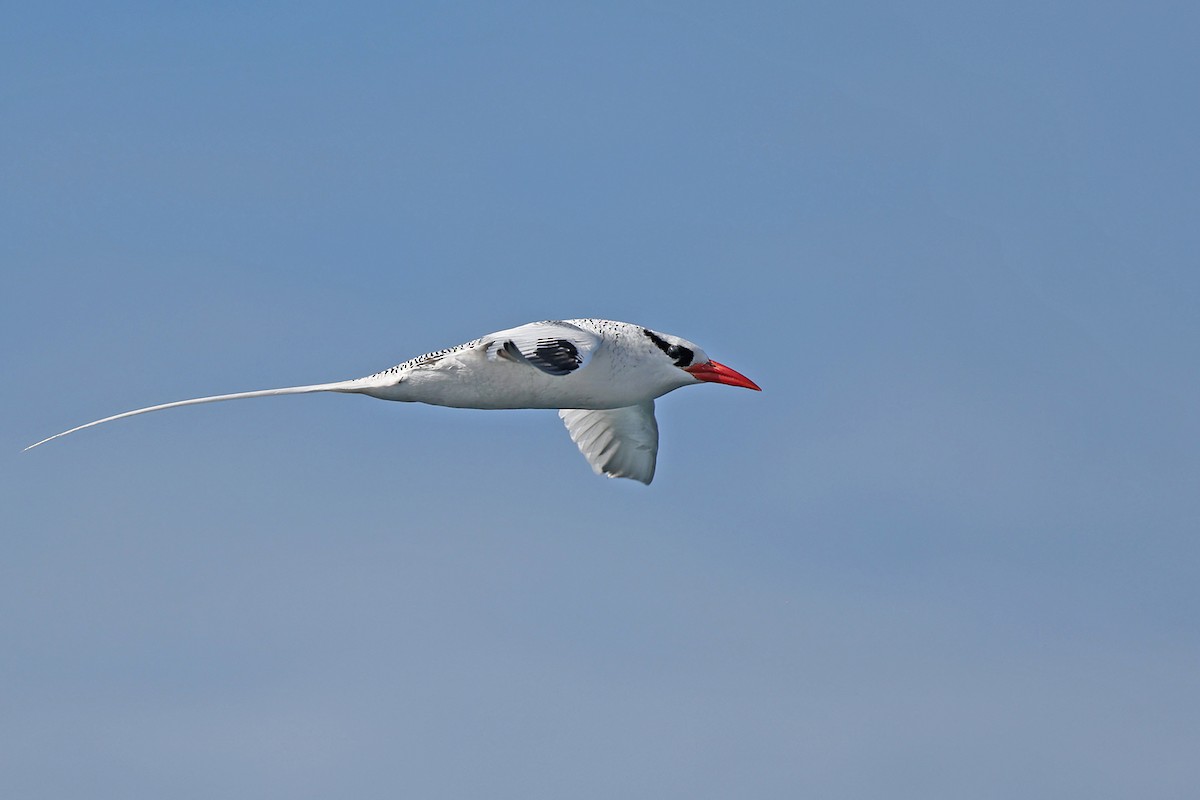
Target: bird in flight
point(603, 376)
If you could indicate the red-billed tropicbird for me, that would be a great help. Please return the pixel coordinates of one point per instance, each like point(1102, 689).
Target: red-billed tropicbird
point(602, 375)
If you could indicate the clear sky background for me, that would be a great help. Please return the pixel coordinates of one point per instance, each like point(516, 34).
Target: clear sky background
point(950, 551)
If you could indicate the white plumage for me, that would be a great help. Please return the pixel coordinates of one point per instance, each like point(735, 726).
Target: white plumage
point(602, 375)
point(617, 442)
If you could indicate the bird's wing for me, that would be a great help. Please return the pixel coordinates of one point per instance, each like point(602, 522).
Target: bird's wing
point(556, 348)
point(617, 442)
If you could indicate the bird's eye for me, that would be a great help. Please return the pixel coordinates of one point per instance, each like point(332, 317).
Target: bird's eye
point(682, 356)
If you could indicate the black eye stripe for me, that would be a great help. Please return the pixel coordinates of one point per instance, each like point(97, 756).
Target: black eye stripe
point(658, 340)
point(681, 355)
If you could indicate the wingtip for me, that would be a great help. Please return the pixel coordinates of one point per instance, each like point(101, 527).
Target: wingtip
point(626, 475)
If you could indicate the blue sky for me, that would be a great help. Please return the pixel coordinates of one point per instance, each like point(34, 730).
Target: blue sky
point(950, 551)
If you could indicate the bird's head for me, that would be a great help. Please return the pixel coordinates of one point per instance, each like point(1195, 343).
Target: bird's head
point(689, 358)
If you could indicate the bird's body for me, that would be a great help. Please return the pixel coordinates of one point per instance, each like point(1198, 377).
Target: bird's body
point(602, 375)
point(579, 363)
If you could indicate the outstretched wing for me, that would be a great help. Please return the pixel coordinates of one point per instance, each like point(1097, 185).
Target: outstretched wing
point(617, 442)
point(556, 348)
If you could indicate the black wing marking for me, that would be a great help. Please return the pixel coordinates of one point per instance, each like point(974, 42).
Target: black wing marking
point(554, 348)
point(552, 356)
point(556, 356)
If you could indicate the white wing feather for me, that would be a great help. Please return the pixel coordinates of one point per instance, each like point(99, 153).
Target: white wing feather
point(617, 442)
